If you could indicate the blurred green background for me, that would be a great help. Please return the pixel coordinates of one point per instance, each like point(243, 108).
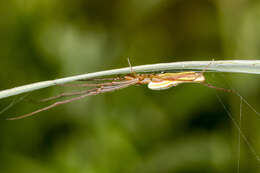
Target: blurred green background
point(181, 130)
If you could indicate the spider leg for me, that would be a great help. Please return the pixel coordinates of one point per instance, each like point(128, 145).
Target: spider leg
point(85, 91)
point(98, 84)
point(66, 95)
point(218, 88)
point(93, 92)
point(117, 87)
point(51, 106)
point(103, 79)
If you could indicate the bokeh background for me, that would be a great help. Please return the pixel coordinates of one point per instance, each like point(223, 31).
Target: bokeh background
point(181, 130)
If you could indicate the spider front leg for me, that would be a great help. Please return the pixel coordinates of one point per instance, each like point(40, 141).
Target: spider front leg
point(103, 79)
point(87, 93)
point(91, 92)
point(98, 84)
point(84, 91)
point(66, 95)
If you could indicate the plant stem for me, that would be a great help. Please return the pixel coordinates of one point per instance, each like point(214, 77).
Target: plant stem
point(235, 66)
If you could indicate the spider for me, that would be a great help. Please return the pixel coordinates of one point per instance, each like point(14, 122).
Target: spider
point(157, 81)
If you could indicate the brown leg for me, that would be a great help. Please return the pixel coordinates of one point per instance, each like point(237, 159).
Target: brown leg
point(211, 86)
point(104, 79)
point(50, 106)
point(94, 91)
point(98, 84)
point(85, 91)
point(65, 95)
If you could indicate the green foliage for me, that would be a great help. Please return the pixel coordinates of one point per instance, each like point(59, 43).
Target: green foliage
point(183, 129)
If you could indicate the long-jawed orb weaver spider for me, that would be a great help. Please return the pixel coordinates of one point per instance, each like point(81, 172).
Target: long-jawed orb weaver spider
point(157, 81)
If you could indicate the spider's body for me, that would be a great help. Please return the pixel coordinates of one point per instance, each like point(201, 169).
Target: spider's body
point(166, 80)
point(158, 81)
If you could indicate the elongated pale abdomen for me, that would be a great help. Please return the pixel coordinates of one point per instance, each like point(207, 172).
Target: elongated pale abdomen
point(172, 79)
point(165, 84)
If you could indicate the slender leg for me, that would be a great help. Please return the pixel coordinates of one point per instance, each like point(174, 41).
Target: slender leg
point(88, 93)
point(103, 79)
point(97, 84)
point(204, 70)
point(51, 106)
point(85, 91)
point(211, 86)
point(65, 95)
